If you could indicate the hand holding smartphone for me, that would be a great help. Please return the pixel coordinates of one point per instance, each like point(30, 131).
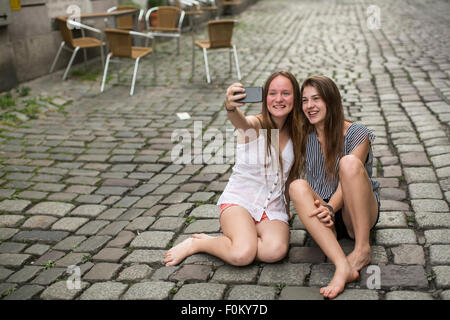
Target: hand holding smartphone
point(253, 95)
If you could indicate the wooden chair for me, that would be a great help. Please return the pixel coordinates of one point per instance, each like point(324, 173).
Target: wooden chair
point(120, 42)
point(210, 7)
point(75, 44)
point(220, 33)
point(170, 20)
point(227, 4)
point(126, 22)
point(191, 9)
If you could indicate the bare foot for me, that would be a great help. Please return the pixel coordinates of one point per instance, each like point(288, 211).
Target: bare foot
point(359, 259)
point(342, 275)
point(175, 255)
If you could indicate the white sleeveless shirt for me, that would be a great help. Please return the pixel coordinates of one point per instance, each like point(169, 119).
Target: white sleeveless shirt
point(254, 188)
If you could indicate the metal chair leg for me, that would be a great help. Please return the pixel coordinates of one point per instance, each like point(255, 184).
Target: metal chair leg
point(105, 72)
point(237, 62)
point(193, 60)
point(153, 44)
point(57, 56)
point(205, 56)
point(70, 62)
point(136, 66)
point(231, 68)
point(178, 46)
point(102, 56)
point(154, 66)
point(85, 59)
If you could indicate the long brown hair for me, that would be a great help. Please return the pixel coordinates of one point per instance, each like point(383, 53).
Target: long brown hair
point(333, 124)
point(293, 121)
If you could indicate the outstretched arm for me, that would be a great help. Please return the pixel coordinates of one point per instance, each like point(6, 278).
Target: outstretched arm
point(237, 118)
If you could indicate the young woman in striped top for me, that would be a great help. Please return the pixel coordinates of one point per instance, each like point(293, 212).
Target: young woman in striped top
point(338, 199)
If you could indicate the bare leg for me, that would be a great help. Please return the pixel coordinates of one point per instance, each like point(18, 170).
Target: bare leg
point(237, 245)
point(303, 197)
point(201, 236)
point(273, 240)
point(360, 208)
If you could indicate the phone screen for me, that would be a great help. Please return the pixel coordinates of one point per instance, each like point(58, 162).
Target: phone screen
point(253, 94)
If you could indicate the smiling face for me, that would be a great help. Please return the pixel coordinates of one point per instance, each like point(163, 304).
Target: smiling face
point(313, 106)
point(280, 97)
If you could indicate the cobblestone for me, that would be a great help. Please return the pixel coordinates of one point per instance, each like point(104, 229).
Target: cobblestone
point(408, 295)
point(442, 274)
point(408, 254)
point(135, 273)
point(60, 291)
point(149, 291)
point(104, 291)
point(437, 236)
point(399, 276)
point(358, 294)
point(252, 292)
point(69, 224)
point(39, 222)
point(25, 292)
point(231, 274)
point(97, 187)
point(102, 272)
point(395, 237)
point(154, 239)
point(51, 208)
point(284, 273)
point(25, 274)
point(201, 291)
point(13, 205)
point(51, 237)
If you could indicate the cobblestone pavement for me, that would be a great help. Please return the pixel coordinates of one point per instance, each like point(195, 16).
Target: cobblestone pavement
point(95, 186)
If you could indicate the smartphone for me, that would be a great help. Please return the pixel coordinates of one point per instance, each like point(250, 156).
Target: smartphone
point(253, 94)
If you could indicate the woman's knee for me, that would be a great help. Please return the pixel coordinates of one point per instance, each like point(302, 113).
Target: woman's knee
point(242, 255)
point(350, 166)
point(273, 251)
point(298, 187)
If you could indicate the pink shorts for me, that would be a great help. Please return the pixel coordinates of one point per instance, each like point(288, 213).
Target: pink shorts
point(223, 206)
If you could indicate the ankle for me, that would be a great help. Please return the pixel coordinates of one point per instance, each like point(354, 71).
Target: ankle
point(342, 264)
point(363, 249)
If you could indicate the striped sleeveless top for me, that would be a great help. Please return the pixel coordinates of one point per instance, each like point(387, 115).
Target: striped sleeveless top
point(315, 161)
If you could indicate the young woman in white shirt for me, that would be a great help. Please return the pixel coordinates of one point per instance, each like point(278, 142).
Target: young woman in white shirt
point(255, 203)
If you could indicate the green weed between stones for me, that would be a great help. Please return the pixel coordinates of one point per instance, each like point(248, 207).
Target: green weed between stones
point(86, 258)
point(49, 264)
point(7, 292)
point(18, 106)
point(190, 219)
point(280, 287)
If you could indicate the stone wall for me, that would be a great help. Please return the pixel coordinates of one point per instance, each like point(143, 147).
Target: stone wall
point(30, 42)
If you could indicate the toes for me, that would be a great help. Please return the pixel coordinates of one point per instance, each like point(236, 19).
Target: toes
point(325, 291)
point(333, 293)
point(169, 261)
